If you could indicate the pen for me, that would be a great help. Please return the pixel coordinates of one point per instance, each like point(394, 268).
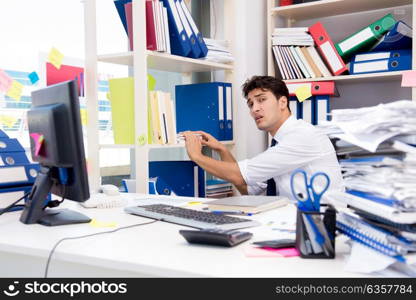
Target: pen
point(230, 212)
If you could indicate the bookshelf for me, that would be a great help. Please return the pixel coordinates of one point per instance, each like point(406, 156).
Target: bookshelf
point(139, 61)
point(307, 14)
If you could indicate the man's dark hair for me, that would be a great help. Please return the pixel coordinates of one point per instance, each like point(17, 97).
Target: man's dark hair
point(274, 85)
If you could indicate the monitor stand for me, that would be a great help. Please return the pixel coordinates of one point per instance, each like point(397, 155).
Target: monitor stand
point(35, 212)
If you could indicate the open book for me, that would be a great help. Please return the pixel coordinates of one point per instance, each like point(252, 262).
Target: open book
point(247, 204)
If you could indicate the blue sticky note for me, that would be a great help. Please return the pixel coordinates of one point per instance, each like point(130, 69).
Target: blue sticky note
point(33, 77)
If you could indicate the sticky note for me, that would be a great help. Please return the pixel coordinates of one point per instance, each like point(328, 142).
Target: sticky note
point(194, 202)
point(15, 91)
point(285, 252)
point(38, 139)
point(141, 140)
point(33, 77)
point(303, 93)
point(108, 96)
point(55, 57)
point(151, 82)
point(8, 121)
point(84, 117)
point(99, 224)
point(5, 81)
point(409, 78)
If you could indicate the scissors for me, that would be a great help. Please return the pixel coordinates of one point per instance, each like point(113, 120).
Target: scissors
point(312, 200)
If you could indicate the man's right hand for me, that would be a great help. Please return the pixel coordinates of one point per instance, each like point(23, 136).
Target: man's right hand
point(210, 141)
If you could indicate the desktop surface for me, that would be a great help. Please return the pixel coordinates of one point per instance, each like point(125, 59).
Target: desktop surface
point(153, 250)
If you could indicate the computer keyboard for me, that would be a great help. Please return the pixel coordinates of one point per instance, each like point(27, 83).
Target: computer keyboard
point(190, 217)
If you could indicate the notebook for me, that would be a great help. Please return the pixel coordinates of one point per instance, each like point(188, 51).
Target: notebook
point(247, 204)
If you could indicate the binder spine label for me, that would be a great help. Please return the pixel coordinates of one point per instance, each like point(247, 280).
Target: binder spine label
point(355, 40)
point(372, 66)
point(331, 56)
point(372, 56)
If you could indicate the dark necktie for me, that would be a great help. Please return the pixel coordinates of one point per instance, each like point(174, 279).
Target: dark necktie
point(271, 184)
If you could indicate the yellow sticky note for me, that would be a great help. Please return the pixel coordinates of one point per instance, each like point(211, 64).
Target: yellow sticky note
point(8, 121)
point(194, 203)
point(100, 224)
point(84, 117)
point(141, 139)
point(303, 93)
point(108, 95)
point(55, 57)
point(15, 91)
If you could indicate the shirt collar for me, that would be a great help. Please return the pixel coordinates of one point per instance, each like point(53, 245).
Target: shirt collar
point(284, 128)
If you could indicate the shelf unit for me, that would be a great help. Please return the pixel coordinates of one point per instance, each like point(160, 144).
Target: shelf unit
point(140, 60)
point(327, 8)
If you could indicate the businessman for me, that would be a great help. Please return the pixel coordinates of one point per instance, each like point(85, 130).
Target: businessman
point(295, 144)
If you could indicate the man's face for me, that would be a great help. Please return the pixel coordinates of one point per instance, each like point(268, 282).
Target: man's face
point(266, 110)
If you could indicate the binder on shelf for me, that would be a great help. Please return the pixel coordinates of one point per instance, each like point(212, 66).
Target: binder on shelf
point(307, 110)
point(316, 87)
point(366, 56)
point(199, 39)
point(13, 158)
point(201, 107)
point(365, 38)
point(318, 61)
point(10, 145)
point(398, 37)
point(327, 49)
point(321, 109)
point(3, 135)
point(228, 112)
point(195, 49)
point(398, 63)
point(179, 41)
point(293, 104)
point(122, 12)
point(18, 175)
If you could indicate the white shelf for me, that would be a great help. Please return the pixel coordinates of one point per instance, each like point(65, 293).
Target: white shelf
point(154, 146)
point(326, 8)
point(166, 62)
point(351, 78)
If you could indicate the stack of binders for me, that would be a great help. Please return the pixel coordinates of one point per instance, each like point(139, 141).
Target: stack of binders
point(217, 188)
point(17, 174)
point(170, 27)
point(315, 109)
point(207, 107)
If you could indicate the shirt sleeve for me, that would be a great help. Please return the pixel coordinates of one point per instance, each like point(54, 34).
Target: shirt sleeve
point(256, 188)
point(285, 157)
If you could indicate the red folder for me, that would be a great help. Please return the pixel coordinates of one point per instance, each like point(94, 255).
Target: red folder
point(327, 49)
point(150, 25)
point(317, 87)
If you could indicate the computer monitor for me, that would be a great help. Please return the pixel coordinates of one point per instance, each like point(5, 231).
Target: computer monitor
point(57, 144)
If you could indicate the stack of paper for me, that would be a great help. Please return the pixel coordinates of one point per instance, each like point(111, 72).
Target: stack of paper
point(292, 36)
point(217, 188)
point(218, 51)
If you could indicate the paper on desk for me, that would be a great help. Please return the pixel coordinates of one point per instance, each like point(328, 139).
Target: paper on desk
point(367, 141)
point(276, 224)
point(365, 260)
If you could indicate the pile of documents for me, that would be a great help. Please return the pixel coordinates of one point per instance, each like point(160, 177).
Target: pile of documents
point(218, 51)
point(217, 188)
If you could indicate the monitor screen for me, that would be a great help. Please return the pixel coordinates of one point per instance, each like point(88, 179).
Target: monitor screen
point(57, 144)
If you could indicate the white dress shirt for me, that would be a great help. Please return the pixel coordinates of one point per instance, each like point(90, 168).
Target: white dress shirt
point(299, 145)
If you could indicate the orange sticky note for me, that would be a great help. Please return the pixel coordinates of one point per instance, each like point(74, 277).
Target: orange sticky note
point(38, 139)
point(55, 58)
point(303, 93)
point(409, 78)
point(15, 91)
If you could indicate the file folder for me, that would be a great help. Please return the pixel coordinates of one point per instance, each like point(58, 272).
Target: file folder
point(398, 37)
point(367, 56)
point(293, 104)
point(195, 49)
point(157, 186)
point(13, 158)
point(397, 63)
point(179, 40)
point(18, 175)
point(199, 39)
point(317, 87)
point(365, 38)
point(228, 112)
point(307, 110)
point(199, 107)
point(3, 135)
point(327, 49)
point(10, 145)
point(185, 178)
point(321, 109)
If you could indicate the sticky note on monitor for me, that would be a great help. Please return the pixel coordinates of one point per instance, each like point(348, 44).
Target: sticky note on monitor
point(55, 58)
point(15, 91)
point(409, 78)
point(5, 81)
point(38, 139)
point(303, 93)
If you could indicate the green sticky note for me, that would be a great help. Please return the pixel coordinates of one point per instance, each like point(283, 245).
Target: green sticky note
point(142, 140)
point(151, 82)
point(303, 93)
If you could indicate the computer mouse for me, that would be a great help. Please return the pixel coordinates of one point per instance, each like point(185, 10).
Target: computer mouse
point(110, 190)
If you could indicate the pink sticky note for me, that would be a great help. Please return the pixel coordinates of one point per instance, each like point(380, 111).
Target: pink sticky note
point(5, 81)
point(409, 78)
point(286, 252)
point(252, 251)
point(38, 139)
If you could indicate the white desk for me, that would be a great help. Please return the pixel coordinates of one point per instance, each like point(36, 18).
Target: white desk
point(155, 250)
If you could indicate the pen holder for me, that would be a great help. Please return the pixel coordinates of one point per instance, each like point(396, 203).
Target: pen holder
point(315, 233)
